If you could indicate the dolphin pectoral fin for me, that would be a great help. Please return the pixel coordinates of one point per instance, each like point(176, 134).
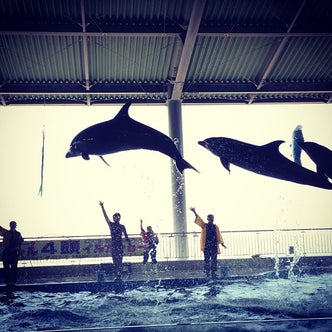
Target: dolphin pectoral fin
point(85, 156)
point(226, 164)
point(101, 157)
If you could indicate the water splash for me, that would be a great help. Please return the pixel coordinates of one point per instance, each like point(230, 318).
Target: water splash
point(298, 252)
point(258, 302)
point(276, 253)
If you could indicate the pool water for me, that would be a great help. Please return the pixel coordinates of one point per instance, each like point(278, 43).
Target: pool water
point(296, 304)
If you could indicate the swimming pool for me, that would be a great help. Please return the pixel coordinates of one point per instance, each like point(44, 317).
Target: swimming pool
point(264, 304)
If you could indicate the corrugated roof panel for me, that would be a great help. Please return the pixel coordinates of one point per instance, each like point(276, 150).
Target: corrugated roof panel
point(130, 58)
point(318, 13)
point(41, 58)
point(69, 12)
point(230, 59)
point(305, 59)
point(251, 14)
point(37, 13)
point(139, 12)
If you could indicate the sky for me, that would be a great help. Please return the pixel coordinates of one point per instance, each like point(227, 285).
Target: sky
point(137, 184)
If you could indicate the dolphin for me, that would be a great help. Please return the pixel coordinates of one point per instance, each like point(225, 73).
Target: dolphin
point(265, 160)
point(320, 155)
point(297, 138)
point(123, 133)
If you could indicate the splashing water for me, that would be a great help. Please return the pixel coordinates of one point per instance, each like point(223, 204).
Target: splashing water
point(298, 253)
point(244, 305)
point(276, 253)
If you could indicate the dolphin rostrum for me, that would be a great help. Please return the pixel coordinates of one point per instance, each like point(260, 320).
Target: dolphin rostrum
point(265, 160)
point(320, 155)
point(123, 133)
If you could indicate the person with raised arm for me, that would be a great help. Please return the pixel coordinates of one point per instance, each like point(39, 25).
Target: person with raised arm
point(210, 240)
point(150, 240)
point(116, 230)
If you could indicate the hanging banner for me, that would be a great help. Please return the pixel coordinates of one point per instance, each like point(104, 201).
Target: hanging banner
point(75, 248)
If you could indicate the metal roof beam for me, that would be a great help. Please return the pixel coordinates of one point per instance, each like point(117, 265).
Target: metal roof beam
point(160, 87)
point(279, 49)
point(194, 23)
point(174, 64)
point(276, 54)
point(85, 52)
point(77, 88)
point(136, 33)
point(263, 34)
point(133, 33)
point(244, 92)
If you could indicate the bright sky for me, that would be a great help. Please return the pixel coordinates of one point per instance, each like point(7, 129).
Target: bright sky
point(138, 182)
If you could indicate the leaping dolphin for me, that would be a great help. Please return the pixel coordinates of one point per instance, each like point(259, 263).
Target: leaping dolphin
point(123, 133)
point(265, 160)
point(320, 155)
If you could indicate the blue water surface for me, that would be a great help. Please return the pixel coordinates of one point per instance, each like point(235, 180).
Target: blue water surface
point(296, 304)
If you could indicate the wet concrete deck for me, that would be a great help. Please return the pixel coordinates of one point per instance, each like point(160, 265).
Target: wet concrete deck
point(137, 271)
point(168, 274)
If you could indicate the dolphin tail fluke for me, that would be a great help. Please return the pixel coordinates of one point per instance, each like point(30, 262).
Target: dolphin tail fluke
point(182, 164)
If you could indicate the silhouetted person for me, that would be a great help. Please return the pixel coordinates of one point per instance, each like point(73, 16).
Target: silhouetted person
point(150, 240)
point(117, 230)
point(210, 240)
point(12, 240)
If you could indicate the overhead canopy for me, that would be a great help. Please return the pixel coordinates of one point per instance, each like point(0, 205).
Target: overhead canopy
point(150, 51)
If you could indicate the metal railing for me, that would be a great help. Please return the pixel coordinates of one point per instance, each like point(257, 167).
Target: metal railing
point(243, 244)
point(240, 244)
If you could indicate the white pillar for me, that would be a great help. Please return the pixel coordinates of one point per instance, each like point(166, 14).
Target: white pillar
point(178, 183)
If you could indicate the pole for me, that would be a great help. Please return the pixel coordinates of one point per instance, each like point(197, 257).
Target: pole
point(178, 183)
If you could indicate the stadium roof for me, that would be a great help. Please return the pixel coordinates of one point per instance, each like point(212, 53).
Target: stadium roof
point(150, 51)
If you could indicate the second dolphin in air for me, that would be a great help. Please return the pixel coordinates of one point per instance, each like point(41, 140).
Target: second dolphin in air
point(265, 160)
point(320, 155)
point(123, 133)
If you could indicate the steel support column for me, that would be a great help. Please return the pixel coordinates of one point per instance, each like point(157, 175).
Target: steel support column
point(178, 183)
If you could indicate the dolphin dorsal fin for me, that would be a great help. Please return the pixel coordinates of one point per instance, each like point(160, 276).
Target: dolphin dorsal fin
point(123, 113)
point(273, 146)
